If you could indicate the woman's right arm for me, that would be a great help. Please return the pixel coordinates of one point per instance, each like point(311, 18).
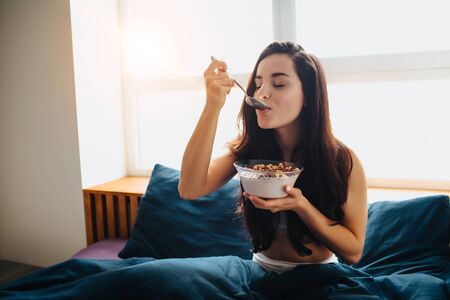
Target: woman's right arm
point(199, 175)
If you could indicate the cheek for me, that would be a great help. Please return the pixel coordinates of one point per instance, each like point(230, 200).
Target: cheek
point(291, 104)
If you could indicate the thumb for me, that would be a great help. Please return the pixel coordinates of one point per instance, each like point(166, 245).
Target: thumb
point(289, 190)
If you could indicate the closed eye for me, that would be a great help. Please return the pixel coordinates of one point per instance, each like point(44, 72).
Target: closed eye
point(275, 85)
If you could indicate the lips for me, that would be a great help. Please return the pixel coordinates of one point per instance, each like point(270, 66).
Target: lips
point(264, 111)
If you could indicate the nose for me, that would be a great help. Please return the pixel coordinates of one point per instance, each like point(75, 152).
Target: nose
point(263, 93)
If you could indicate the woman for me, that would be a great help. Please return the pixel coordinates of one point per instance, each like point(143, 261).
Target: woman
point(325, 212)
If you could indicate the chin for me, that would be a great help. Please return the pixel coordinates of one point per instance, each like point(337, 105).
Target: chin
point(264, 125)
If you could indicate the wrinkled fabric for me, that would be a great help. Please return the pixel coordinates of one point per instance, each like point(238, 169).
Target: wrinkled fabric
point(222, 277)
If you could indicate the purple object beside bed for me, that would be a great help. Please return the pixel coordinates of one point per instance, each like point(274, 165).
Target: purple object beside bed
point(104, 249)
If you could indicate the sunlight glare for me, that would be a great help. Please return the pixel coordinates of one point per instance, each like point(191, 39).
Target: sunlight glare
point(147, 54)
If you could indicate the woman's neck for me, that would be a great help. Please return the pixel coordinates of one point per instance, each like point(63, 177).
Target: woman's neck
point(287, 138)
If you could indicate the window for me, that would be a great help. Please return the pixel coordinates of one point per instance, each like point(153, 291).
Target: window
point(388, 71)
point(164, 134)
point(387, 65)
point(167, 39)
point(352, 27)
point(399, 129)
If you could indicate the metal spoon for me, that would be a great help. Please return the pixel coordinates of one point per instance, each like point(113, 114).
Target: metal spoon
point(253, 102)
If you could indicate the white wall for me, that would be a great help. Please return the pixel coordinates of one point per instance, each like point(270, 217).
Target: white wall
point(98, 84)
point(41, 207)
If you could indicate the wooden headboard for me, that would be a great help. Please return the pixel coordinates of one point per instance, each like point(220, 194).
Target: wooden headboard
point(110, 209)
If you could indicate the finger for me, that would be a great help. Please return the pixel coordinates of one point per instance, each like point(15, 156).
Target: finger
point(288, 189)
point(256, 204)
point(218, 80)
point(261, 204)
point(291, 191)
point(253, 197)
point(250, 198)
point(223, 65)
point(275, 203)
point(257, 201)
point(218, 76)
point(247, 195)
point(214, 65)
point(226, 82)
point(287, 203)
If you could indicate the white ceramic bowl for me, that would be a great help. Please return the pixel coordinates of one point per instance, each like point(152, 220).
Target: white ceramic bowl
point(265, 183)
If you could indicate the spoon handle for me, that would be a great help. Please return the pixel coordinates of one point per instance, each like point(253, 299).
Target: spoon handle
point(237, 83)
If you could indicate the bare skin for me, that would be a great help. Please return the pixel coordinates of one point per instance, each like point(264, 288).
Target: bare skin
point(278, 85)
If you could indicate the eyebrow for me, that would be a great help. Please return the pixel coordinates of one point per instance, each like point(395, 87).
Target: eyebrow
point(273, 75)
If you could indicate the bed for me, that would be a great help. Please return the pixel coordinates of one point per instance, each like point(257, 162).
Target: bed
point(200, 250)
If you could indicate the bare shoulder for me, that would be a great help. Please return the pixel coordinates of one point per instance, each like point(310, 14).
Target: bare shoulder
point(357, 175)
point(357, 184)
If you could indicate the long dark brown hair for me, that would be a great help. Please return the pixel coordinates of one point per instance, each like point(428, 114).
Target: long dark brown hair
point(327, 162)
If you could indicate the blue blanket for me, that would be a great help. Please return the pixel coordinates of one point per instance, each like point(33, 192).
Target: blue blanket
point(406, 256)
point(221, 277)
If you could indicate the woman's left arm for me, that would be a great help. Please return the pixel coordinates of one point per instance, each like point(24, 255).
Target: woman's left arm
point(346, 239)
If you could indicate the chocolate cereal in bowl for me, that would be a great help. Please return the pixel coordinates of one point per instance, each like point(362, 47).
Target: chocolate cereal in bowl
point(267, 178)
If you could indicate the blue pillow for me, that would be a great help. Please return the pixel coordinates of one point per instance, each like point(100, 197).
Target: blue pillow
point(168, 226)
point(410, 236)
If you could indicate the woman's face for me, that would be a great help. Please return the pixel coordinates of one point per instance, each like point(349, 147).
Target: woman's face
point(278, 85)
